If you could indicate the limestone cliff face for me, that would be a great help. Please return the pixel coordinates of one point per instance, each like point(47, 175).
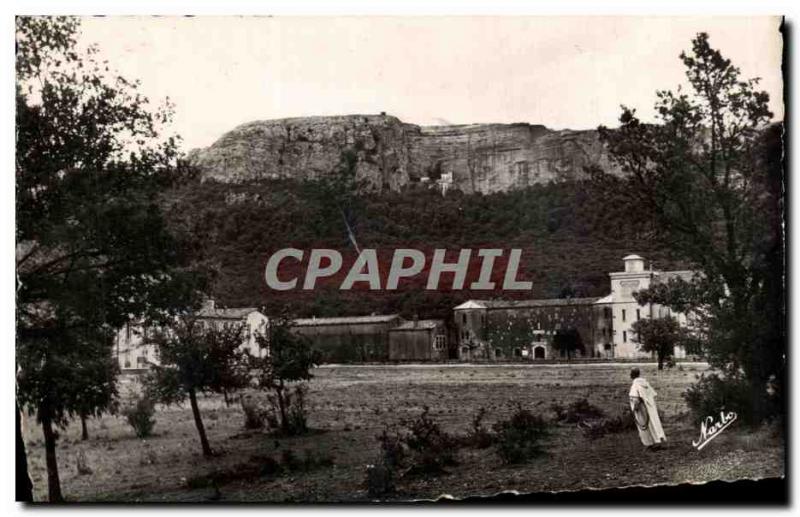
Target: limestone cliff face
point(473, 158)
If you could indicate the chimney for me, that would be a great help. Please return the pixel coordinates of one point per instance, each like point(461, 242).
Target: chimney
point(416, 320)
point(208, 304)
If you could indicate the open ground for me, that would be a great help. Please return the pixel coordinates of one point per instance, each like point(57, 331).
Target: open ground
point(349, 406)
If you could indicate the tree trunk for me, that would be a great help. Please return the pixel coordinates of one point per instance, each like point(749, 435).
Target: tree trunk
point(282, 407)
point(198, 422)
point(53, 482)
point(84, 429)
point(24, 487)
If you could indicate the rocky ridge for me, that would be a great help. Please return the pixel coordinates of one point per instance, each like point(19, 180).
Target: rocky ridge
point(391, 154)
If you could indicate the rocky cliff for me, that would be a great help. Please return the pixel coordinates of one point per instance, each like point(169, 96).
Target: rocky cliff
point(473, 158)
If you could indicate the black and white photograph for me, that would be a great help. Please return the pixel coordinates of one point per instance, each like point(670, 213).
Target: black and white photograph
point(398, 258)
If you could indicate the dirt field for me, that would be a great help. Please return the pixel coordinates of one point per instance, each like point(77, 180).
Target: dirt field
point(349, 405)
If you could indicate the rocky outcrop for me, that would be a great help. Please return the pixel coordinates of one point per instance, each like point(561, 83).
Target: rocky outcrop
point(473, 158)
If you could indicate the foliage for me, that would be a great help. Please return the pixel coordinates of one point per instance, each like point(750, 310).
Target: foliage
point(567, 341)
point(478, 435)
point(519, 438)
point(139, 415)
point(430, 448)
point(92, 247)
point(417, 446)
point(620, 423)
point(254, 415)
point(271, 214)
point(509, 334)
point(707, 178)
point(577, 411)
point(659, 336)
point(288, 358)
point(713, 393)
point(197, 357)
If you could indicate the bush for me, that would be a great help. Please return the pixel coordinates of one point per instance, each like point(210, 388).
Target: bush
point(578, 411)
point(296, 413)
point(478, 435)
point(431, 449)
point(418, 446)
point(140, 416)
point(619, 424)
point(712, 394)
point(518, 439)
point(253, 414)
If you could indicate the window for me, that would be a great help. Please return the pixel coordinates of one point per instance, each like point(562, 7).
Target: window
point(464, 318)
point(624, 336)
point(438, 342)
point(637, 315)
point(623, 314)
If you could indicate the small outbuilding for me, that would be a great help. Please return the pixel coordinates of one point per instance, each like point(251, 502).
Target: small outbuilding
point(418, 340)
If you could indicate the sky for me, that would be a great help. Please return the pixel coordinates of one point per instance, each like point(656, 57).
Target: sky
point(566, 72)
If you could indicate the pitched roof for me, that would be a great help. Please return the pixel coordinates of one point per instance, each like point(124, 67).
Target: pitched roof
point(234, 313)
point(606, 299)
point(418, 325)
point(345, 320)
point(512, 304)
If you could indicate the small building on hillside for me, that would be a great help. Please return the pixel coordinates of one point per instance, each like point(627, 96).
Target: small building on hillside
point(135, 350)
point(418, 340)
point(349, 339)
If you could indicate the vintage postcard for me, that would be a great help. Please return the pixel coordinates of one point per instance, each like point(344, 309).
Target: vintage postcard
point(381, 259)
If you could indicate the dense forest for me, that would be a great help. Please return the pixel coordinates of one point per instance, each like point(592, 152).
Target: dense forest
point(571, 238)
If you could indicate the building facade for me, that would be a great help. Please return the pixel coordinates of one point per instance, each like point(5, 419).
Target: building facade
point(418, 340)
point(135, 350)
point(602, 327)
point(349, 339)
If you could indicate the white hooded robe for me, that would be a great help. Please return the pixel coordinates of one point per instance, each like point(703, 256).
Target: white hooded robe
point(647, 421)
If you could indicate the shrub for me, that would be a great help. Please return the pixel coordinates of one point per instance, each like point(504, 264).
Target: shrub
point(140, 416)
point(417, 446)
point(518, 439)
point(478, 435)
point(577, 411)
point(431, 449)
point(295, 408)
point(619, 424)
point(253, 414)
point(82, 464)
point(712, 394)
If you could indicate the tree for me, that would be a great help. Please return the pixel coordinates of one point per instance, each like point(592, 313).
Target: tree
point(92, 247)
point(98, 391)
point(194, 358)
point(707, 179)
point(287, 358)
point(567, 341)
point(659, 336)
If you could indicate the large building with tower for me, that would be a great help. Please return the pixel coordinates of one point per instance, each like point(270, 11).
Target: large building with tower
point(600, 327)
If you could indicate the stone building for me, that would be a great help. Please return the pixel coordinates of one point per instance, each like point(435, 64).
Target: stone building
point(349, 339)
point(418, 340)
point(525, 329)
point(135, 351)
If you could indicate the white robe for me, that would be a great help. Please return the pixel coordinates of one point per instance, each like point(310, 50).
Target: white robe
point(646, 416)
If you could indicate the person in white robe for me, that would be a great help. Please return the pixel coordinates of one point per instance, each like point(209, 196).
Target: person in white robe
point(643, 405)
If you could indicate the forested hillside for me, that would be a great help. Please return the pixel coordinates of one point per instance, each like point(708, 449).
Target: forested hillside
point(570, 237)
